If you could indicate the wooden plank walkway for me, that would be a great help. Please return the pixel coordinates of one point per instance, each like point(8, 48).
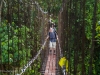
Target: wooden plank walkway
point(51, 65)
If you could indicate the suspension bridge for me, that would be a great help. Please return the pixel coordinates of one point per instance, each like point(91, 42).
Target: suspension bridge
point(24, 25)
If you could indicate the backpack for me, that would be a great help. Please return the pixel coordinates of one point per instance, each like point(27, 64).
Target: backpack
point(52, 35)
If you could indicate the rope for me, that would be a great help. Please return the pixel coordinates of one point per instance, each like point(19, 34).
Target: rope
point(31, 61)
point(38, 7)
point(60, 48)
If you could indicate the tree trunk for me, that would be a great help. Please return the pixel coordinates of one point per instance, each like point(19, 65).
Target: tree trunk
point(0, 11)
point(75, 38)
point(83, 37)
point(93, 38)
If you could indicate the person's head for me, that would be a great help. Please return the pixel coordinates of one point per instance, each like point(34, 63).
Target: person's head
point(52, 25)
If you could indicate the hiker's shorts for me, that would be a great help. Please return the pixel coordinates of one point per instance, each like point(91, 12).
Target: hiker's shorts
point(52, 44)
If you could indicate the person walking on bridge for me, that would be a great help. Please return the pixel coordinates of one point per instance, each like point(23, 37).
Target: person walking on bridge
point(53, 37)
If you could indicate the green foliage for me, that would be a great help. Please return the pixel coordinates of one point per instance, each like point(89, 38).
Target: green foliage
point(13, 47)
point(98, 33)
point(17, 38)
point(52, 6)
point(18, 35)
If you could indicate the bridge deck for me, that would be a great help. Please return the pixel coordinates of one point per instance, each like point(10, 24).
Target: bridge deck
point(51, 65)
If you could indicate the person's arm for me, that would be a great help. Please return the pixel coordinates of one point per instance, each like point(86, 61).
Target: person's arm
point(57, 36)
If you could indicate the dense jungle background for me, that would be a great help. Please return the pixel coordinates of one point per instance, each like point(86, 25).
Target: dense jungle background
point(24, 26)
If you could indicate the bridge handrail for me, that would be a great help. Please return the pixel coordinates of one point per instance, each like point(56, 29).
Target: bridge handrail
point(61, 55)
point(60, 48)
point(32, 60)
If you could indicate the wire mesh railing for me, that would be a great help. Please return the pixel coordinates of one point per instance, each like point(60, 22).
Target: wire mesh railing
point(31, 61)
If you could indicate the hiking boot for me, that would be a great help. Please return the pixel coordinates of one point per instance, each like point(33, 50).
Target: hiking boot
point(50, 52)
point(54, 52)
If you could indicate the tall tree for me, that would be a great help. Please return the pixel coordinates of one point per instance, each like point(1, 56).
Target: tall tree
point(1, 4)
point(83, 37)
point(93, 38)
point(0, 11)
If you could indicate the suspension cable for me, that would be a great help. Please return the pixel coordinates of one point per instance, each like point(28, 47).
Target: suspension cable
point(32, 60)
point(38, 7)
point(60, 48)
